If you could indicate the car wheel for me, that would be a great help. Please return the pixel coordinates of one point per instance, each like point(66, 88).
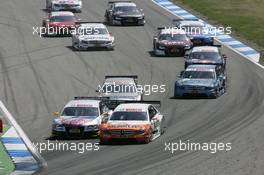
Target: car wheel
point(103, 141)
point(162, 127)
point(217, 94)
point(111, 48)
point(149, 139)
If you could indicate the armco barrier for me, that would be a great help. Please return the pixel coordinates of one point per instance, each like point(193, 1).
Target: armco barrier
point(222, 38)
point(26, 158)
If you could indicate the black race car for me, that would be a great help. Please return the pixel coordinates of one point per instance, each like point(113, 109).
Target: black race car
point(206, 55)
point(124, 13)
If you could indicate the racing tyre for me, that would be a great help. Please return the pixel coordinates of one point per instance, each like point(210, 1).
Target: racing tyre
point(103, 142)
point(162, 127)
point(218, 92)
point(149, 139)
point(111, 48)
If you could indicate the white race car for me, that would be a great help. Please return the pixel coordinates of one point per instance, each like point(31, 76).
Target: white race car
point(80, 117)
point(121, 87)
point(69, 5)
point(92, 35)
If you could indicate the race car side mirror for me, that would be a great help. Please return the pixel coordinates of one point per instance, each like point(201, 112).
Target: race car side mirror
point(181, 74)
point(105, 114)
point(141, 10)
point(224, 56)
point(56, 114)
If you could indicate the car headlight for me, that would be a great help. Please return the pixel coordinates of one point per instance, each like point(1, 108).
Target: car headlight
point(141, 17)
point(161, 47)
point(141, 131)
point(181, 87)
point(56, 5)
point(187, 46)
point(84, 42)
point(58, 127)
point(91, 128)
point(209, 88)
point(117, 18)
point(210, 39)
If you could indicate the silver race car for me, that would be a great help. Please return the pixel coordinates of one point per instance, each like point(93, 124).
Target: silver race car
point(69, 5)
point(121, 88)
point(92, 35)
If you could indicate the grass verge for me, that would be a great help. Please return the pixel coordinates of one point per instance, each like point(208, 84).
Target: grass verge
point(246, 17)
point(6, 164)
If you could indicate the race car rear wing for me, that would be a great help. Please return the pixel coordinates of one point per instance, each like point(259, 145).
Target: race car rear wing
point(177, 20)
point(121, 76)
point(90, 22)
point(112, 2)
point(92, 98)
point(135, 77)
point(217, 45)
point(112, 104)
point(165, 27)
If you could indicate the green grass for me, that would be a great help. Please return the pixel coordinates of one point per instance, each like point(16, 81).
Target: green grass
point(246, 17)
point(6, 164)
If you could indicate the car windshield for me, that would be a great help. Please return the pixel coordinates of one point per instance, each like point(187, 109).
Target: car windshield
point(119, 88)
point(122, 115)
point(125, 9)
point(173, 37)
point(199, 75)
point(193, 29)
point(62, 19)
point(89, 112)
point(205, 55)
point(92, 31)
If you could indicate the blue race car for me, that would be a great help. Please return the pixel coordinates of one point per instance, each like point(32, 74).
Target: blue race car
point(197, 31)
point(201, 80)
point(205, 55)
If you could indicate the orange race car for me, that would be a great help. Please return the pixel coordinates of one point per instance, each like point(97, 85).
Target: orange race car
point(139, 121)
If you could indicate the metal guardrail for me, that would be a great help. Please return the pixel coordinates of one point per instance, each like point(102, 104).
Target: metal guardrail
point(10, 119)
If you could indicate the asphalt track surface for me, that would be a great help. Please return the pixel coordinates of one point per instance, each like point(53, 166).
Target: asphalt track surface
point(38, 76)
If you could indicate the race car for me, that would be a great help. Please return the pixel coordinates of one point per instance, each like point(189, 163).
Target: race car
point(80, 117)
point(121, 88)
point(205, 55)
point(68, 5)
point(199, 34)
point(201, 81)
point(60, 23)
point(171, 41)
point(140, 122)
point(124, 13)
point(92, 35)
